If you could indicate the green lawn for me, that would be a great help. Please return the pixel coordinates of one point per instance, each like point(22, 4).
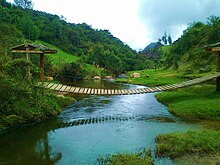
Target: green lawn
point(158, 77)
point(152, 77)
point(62, 57)
point(197, 102)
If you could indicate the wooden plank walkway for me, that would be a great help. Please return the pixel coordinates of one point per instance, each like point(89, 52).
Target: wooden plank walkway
point(91, 91)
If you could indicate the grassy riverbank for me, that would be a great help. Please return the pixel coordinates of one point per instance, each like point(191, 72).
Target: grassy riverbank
point(197, 103)
point(141, 158)
point(157, 77)
point(193, 103)
point(32, 110)
point(192, 147)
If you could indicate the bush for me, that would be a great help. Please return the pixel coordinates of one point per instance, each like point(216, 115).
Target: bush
point(71, 72)
point(21, 100)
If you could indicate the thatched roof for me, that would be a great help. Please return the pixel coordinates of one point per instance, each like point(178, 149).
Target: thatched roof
point(32, 48)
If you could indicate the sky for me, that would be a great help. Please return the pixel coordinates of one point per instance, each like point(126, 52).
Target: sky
point(135, 22)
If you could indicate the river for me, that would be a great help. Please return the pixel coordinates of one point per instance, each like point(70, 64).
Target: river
point(121, 124)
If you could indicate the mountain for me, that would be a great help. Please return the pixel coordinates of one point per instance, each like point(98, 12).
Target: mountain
point(151, 51)
point(152, 45)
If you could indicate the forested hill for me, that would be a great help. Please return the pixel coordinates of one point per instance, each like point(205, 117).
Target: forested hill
point(96, 47)
point(187, 53)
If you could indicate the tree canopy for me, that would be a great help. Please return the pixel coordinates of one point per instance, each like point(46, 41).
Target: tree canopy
point(26, 4)
point(93, 46)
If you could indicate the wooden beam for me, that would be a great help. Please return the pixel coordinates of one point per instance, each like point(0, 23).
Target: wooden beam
point(28, 51)
point(216, 49)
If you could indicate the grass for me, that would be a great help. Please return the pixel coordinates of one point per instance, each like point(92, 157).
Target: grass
point(61, 57)
point(158, 77)
point(193, 103)
point(153, 77)
point(195, 160)
point(201, 144)
point(141, 158)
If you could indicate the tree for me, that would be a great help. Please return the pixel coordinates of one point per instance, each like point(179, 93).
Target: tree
point(164, 38)
point(169, 39)
point(159, 40)
point(26, 4)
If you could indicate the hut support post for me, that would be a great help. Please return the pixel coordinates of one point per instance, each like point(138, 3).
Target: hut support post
point(28, 59)
point(42, 66)
point(218, 70)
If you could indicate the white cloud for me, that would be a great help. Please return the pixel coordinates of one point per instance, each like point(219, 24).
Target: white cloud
point(118, 16)
point(135, 22)
point(174, 15)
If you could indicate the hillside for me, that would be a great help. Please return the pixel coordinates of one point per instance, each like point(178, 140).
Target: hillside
point(61, 57)
point(187, 53)
point(151, 46)
point(92, 46)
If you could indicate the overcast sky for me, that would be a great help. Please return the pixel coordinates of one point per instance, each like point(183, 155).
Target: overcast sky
point(135, 22)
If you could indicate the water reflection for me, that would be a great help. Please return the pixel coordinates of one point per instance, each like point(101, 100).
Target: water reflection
point(28, 145)
point(99, 84)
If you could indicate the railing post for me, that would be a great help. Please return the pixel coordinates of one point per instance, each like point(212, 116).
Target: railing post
point(218, 70)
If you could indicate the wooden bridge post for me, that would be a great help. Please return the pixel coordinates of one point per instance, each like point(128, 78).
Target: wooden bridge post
point(218, 70)
point(42, 66)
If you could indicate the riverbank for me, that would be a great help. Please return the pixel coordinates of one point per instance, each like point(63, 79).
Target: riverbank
point(200, 103)
point(191, 147)
point(140, 158)
point(26, 113)
point(158, 77)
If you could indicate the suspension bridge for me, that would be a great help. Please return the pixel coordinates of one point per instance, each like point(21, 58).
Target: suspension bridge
point(93, 91)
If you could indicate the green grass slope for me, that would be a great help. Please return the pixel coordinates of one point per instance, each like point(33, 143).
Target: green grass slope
point(198, 102)
point(61, 57)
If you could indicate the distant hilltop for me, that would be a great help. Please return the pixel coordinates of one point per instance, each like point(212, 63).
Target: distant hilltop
point(152, 46)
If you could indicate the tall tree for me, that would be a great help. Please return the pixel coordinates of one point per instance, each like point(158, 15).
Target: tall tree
point(26, 4)
point(164, 38)
point(169, 39)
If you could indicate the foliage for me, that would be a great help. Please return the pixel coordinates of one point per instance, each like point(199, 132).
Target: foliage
point(21, 101)
point(19, 69)
point(71, 72)
point(9, 36)
point(200, 102)
point(141, 158)
point(96, 47)
point(201, 143)
point(26, 4)
point(60, 58)
point(187, 53)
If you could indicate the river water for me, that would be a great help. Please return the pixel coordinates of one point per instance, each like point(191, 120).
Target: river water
point(124, 124)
